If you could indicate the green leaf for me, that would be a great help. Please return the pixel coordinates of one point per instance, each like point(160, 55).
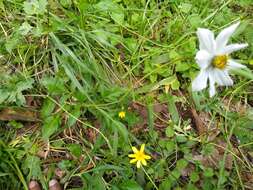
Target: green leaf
point(106, 5)
point(25, 85)
point(130, 185)
point(75, 149)
point(181, 164)
point(169, 131)
point(247, 73)
point(3, 95)
point(50, 126)
point(54, 85)
point(96, 182)
point(170, 146)
point(25, 28)
point(176, 173)
point(32, 7)
point(208, 172)
point(170, 81)
point(12, 43)
point(118, 17)
point(65, 164)
point(15, 124)
point(122, 129)
point(173, 109)
point(32, 163)
point(2, 5)
point(160, 59)
point(175, 84)
point(66, 3)
point(14, 90)
point(166, 184)
point(180, 67)
point(76, 112)
point(111, 94)
point(185, 7)
point(195, 20)
point(194, 177)
point(47, 108)
point(106, 167)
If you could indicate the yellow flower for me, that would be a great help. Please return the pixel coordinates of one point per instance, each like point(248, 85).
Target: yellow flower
point(122, 114)
point(139, 156)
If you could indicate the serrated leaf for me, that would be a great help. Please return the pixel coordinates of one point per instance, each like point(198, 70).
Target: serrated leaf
point(169, 131)
point(25, 28)
point(50, 126)
point(54, 85)
point(32, 163)
point(32, 7)
point(3, 95)
point(185, 7)
point(47, 108)
point(25, 84)
point(118, 17)
point(12, 43)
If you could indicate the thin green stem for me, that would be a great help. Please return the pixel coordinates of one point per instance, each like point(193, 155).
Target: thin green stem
point(153, 183)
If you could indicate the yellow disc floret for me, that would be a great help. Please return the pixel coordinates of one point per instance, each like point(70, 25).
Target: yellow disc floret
point(220, 61)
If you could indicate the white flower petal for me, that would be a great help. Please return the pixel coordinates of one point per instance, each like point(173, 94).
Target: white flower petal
point(222, 77)
point(217, 77)
point(231, 48)
point(203, 58)
point(200, 82)
point(232, 64)
point(211, 85)
point(227, 81)
point(224, 35)
point(206, 40)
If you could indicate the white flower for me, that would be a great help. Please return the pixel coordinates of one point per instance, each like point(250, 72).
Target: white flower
point(213, 59)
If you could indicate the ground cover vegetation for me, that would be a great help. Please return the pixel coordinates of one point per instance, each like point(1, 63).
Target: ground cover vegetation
point(88, 86)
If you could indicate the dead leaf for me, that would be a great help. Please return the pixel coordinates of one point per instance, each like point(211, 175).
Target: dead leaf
point(90, 133)
point(213, 160)
point(200, 127)
point(59, 173)
point(54, 185)
point(19, 114)
point(34, 185)
point(140, 109)
point(188, 170)
point(74, 182)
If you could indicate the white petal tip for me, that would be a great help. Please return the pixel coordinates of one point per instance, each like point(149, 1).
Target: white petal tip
point(245, 45)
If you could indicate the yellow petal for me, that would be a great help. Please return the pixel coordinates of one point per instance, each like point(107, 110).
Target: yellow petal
point(138, 164)
point(131, 155)
point(147, 157)
point(133, 161)
point(134, 149)
point(142, 148)
point(144, 162)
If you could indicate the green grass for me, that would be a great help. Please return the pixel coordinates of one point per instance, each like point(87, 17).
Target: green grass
point(68, 67)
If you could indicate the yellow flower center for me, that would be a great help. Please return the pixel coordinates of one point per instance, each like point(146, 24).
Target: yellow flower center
point(140, 155)
point(122, 114)
point(220, 61)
